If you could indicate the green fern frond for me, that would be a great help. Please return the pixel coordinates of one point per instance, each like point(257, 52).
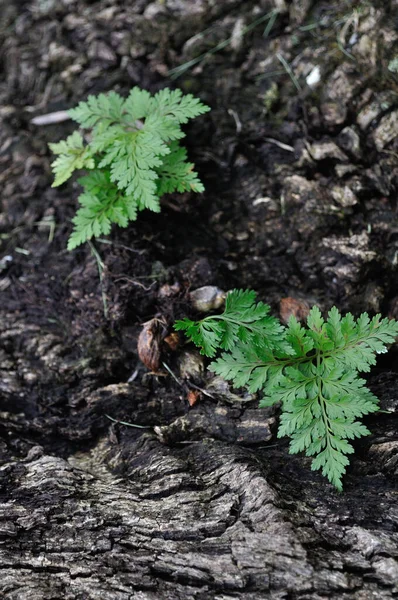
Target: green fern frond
point(104, 108)
point(177, 175)
point(242, 320)
point(312, 372)
point(134, 142)
point(101, 204)
point(137, 106)
point(72, 155)
point(180, 108)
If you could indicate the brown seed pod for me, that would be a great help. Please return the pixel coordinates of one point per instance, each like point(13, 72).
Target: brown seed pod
point(149, 345)
point(292, 306)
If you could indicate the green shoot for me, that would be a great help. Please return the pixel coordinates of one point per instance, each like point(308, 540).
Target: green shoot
point(133, 157)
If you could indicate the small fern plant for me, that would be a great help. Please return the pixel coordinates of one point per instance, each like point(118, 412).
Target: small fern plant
point(132, 155)
point(311, 371)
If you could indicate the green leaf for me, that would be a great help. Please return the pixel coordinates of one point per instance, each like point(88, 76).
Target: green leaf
point(315, 320)
point(177, 175)
point(172, 104)
point(242, 366)
point(72, 155)
point(244, 320)
point(298, 338)
point(333, 464)
point(106, 108)
point(132, 160)
point(363, 340)
point(101, 205)
point(342, 428)
point(205, 335)
point(90, 220)
point(166, 128)
point(137, 105)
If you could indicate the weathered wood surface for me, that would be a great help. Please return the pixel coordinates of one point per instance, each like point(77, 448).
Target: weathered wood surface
point(99, 511)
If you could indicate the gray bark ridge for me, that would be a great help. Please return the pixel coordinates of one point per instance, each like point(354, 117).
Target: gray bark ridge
point(139, 519)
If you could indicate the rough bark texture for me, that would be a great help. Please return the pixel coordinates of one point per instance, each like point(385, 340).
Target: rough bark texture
point(300, 204)
point(126, 515)
point(201, 522)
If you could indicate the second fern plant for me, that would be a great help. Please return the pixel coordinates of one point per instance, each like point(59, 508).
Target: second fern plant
point(312, 371)
point(133, 157)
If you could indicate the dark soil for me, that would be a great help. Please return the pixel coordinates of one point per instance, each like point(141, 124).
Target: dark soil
point(301, 187)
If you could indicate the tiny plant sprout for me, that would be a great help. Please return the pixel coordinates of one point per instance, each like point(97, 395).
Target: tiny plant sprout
point(132, 157)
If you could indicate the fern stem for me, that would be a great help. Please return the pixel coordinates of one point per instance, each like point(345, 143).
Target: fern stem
point(322, 401)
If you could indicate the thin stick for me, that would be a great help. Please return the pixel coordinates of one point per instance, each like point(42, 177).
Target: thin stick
point(129, 424)
point(170, 372)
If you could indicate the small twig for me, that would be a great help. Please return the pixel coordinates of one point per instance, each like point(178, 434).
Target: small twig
point(22, 251)
point(110, 243)
point(280, 144)
point(188, 383)
point(50, 223)
point(50, 118)
point(196, 387)
point(270, 23)
point(344, 51)
point(235, 116)
point(264, 200)
point(128, 424)
point(178, 71)
point(170, 372)
point(132, 281)
point(133, 376)
point(270, 446)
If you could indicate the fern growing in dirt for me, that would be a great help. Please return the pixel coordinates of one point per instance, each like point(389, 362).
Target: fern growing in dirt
point(133, 156)
point(312, 371)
